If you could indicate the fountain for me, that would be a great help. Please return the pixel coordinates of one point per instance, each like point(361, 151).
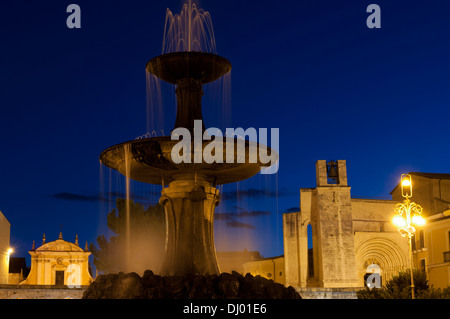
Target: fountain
point(189, 194)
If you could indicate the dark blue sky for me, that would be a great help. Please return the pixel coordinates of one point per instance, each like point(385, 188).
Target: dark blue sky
point(336, 89)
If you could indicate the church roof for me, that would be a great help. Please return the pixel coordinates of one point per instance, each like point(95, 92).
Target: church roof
point(60, 245)
point(426, 175)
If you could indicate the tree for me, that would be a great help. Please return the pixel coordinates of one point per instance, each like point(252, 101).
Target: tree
point(146, 239)
point(399, 287)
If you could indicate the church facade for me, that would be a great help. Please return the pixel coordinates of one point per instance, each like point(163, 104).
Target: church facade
point(351, 238)
point(59, 263)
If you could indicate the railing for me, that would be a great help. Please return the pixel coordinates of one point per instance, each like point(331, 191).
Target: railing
point(446, 256)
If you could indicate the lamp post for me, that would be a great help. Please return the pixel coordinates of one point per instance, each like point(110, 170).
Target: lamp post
point(406, 215)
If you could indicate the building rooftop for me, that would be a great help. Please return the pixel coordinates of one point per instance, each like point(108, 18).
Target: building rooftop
point(432, 175)
point(426, 175)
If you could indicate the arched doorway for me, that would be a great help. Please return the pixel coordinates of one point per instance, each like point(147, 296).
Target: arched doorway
point(373, 277)
point(383, 252)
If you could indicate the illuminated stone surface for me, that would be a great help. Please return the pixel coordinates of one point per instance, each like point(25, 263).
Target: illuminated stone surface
point(223, 286)
point(5, 227)
point(59, 260)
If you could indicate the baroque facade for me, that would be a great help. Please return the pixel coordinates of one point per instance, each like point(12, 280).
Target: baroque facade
point(59, 263)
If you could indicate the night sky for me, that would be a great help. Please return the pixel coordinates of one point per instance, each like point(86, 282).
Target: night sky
point(378, 98)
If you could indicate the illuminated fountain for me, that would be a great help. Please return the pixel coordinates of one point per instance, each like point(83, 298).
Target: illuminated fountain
point(189, 193)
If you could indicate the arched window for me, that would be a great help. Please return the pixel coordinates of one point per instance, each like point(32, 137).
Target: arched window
point(309, 231)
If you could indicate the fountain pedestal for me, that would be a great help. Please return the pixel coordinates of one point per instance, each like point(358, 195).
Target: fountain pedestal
point(189, 207)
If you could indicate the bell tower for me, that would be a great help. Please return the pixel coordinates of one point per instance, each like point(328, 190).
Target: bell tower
point(331, 212)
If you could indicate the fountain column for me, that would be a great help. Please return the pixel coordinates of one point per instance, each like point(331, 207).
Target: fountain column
point(189, 103)
point(189, 205)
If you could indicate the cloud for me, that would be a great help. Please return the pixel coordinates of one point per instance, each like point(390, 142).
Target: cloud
point(76, 197)
point(236, 224)
point(224, 216)
point(108, 197)
point(253, 213)
point(255, 193)
point(293, 209)
point(252, 193)
point(241, 214)
point(232, 221)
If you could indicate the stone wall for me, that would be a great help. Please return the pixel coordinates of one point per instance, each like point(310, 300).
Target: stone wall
point(40, 292)
point(376, 239)
point(327, 293)
point(4, 246)
point(270, 268)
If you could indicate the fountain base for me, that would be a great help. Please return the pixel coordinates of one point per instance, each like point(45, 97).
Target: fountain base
point(223, 286)
point(189, 205)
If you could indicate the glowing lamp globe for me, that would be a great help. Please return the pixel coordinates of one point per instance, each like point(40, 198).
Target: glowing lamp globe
point(418, 220)
point(406, 185)
point(399, 221)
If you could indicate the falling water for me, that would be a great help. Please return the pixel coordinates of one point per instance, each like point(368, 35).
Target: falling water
point(191, 30)
point(155, 113)
point(217, 103)
point(127, 208)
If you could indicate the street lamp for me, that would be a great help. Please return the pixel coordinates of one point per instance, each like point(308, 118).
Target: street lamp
point(408, 214)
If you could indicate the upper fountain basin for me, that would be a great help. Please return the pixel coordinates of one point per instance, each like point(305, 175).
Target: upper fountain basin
point(150, 161)
point(206, 67)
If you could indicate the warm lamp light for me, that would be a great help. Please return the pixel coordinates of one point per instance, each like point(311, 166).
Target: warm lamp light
point(10, 251)
point(418, 220)
point(406, 182)
point(406, 185)
point(404, 224)
point(399, 221)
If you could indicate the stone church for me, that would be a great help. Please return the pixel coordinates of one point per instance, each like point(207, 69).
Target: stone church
point(348, 235)
point(335, 241)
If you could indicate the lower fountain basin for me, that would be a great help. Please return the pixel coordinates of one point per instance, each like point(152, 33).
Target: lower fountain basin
point(150, 161)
